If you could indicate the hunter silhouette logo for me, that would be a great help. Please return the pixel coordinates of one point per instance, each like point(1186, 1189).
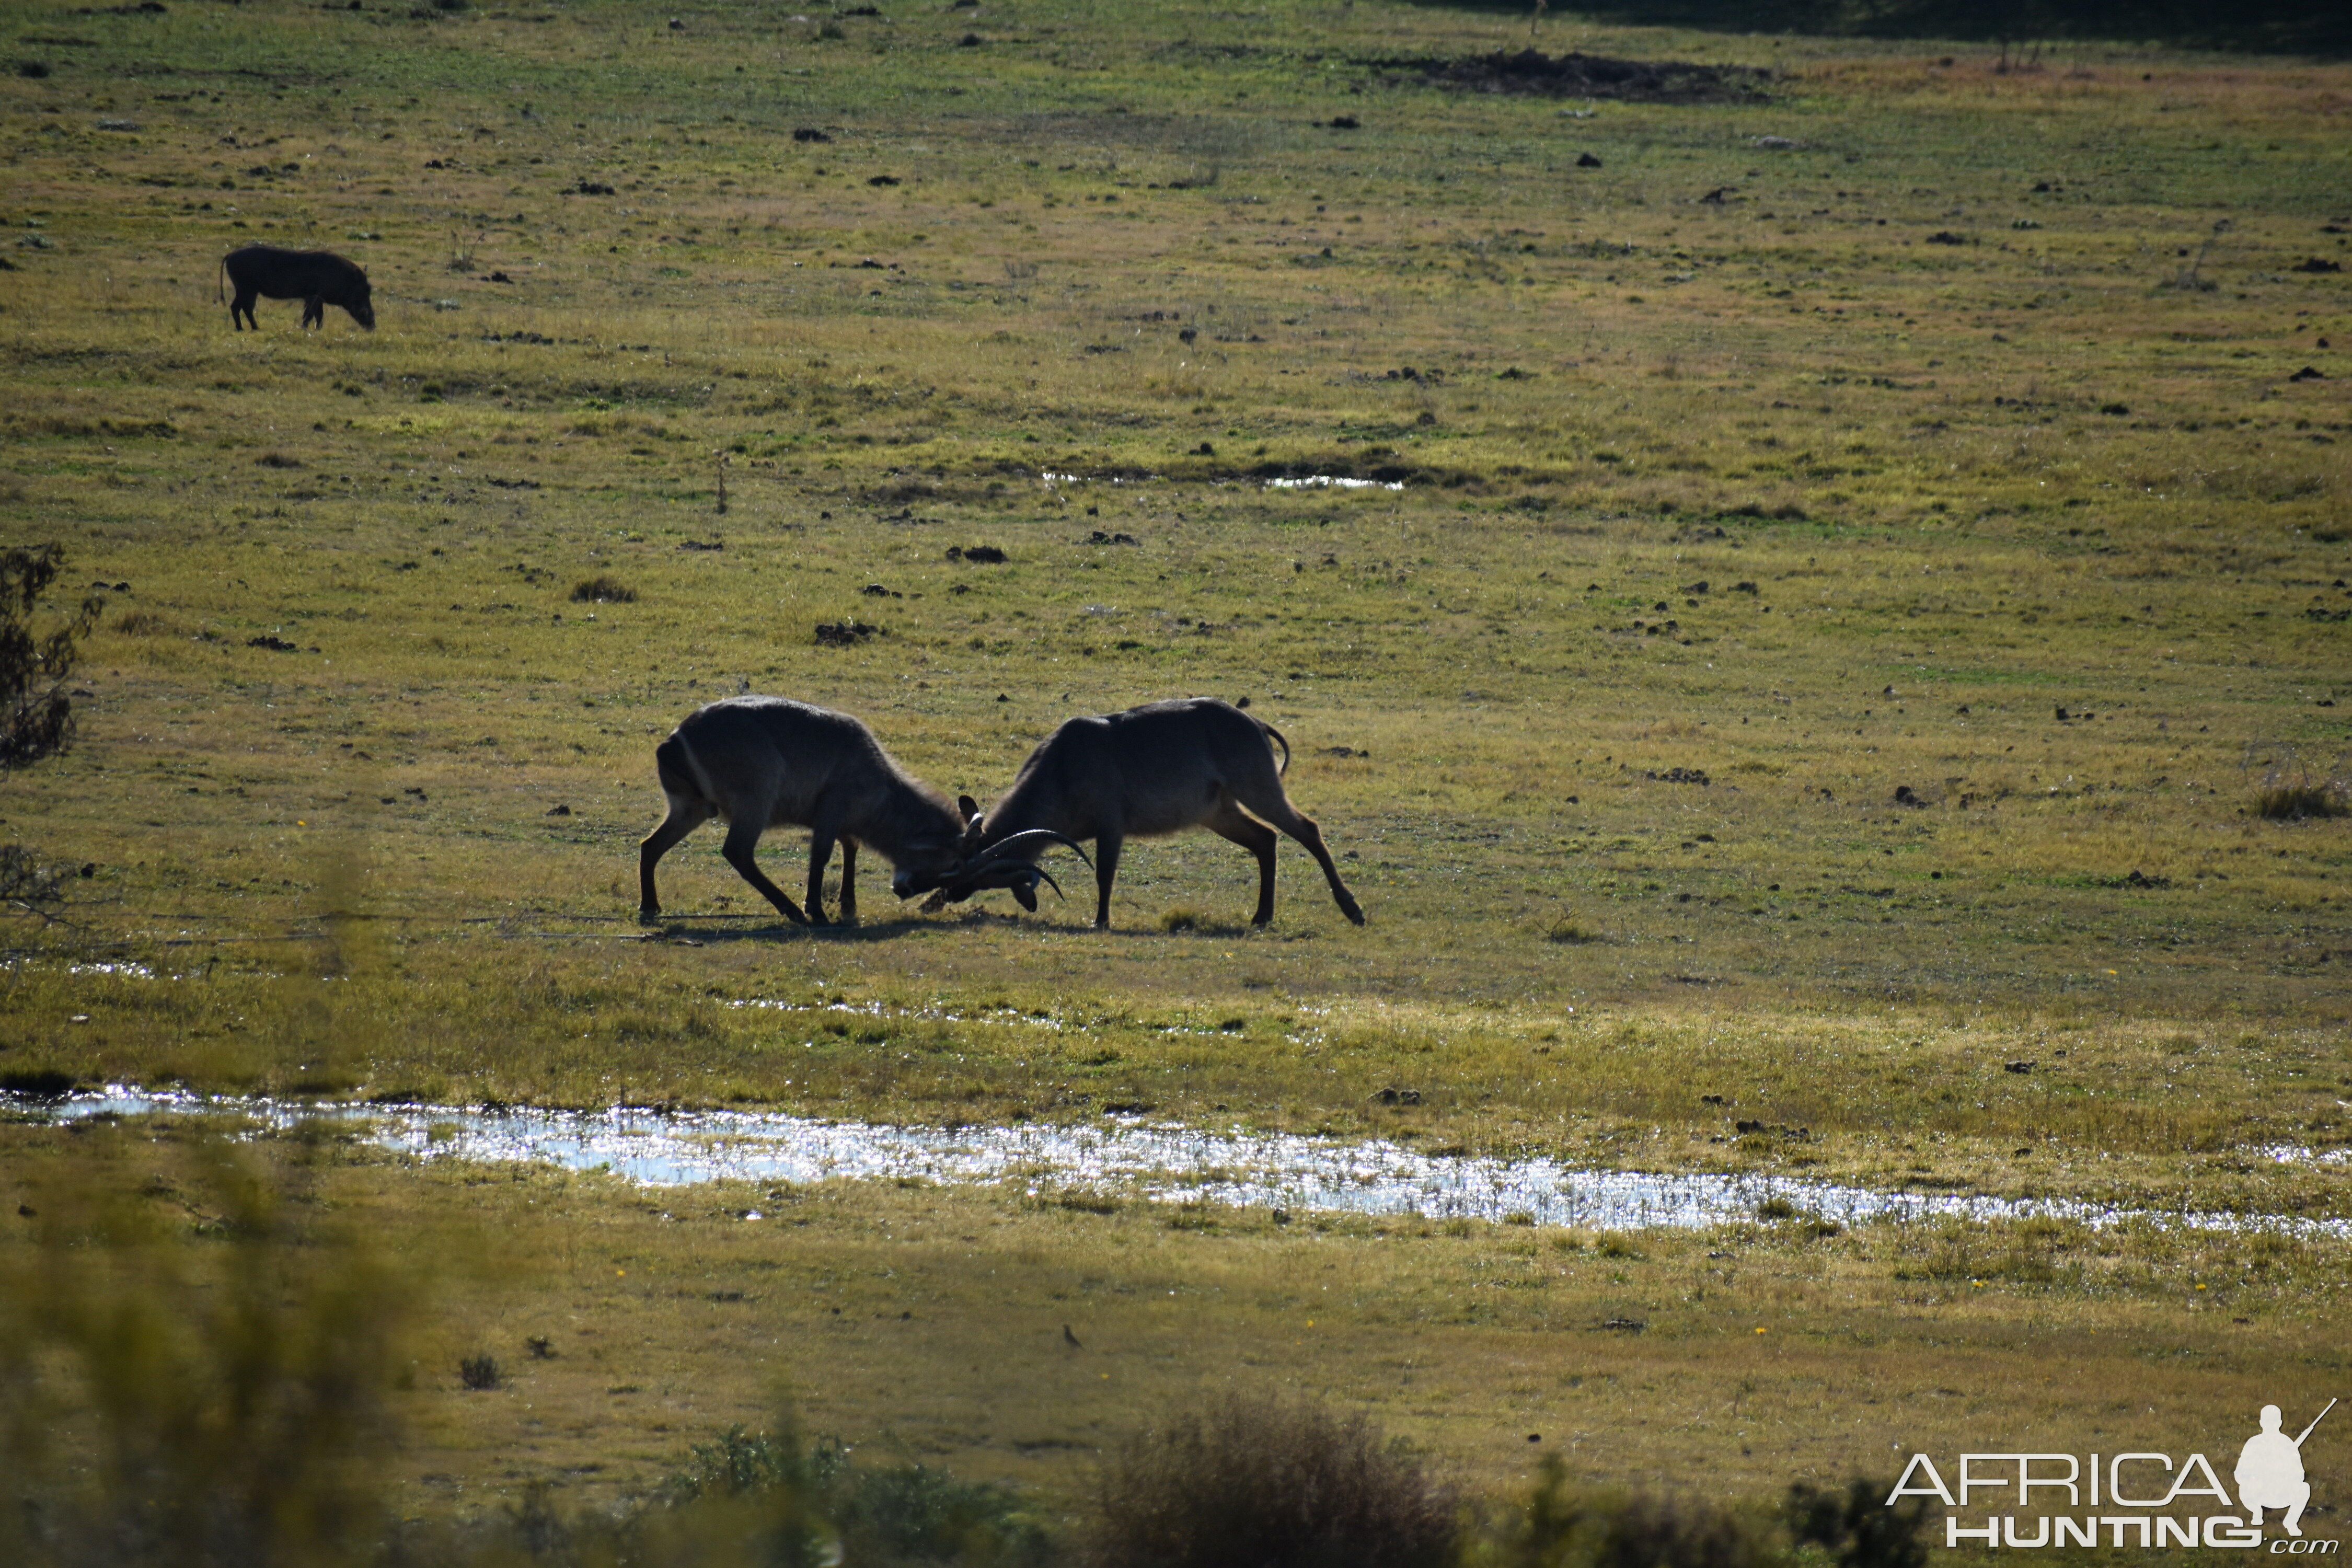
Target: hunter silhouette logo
point(2269, 1471)
point(2128, 1499)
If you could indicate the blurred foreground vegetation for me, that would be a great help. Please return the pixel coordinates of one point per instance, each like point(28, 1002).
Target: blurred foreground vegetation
point(217, 1388)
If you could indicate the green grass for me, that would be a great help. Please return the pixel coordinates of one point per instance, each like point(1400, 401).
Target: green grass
point(926, 1322)
point(1971, 486)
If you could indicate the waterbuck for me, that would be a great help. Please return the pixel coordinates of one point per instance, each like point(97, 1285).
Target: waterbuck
point(317, 277)
point(1150, 771)
point(767, 762)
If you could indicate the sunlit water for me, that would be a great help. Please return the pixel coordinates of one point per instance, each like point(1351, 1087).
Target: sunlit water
point(1333, 482)
point(1124, 1156)
point(1305, 482)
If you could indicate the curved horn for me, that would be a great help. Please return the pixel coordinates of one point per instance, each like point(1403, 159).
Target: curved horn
point(1019, 841)
point(1002, 874)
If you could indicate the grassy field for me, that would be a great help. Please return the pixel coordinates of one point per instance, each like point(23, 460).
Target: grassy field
point(1870, 531)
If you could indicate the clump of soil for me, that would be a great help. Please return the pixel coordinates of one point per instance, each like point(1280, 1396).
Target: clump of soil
point(1535, 74)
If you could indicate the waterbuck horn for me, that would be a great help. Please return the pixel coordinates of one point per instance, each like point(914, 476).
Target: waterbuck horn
point(1004, 867)
point(1039, 836)
point(1021, 876)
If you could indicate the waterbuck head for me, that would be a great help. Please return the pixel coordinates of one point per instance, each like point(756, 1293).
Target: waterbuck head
point(926, 863)
point(979, 866)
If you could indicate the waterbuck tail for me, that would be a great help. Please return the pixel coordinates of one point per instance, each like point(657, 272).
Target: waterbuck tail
point(675, 769)
point(1270, 729)
point(220, 282)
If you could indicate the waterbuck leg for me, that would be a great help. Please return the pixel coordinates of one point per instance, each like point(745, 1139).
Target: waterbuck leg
point(821, 843)
point(1257, 838)
point(742, 837)
point(685, 816)
point(1105, 869)
point(1278, 811)
point(820, 856)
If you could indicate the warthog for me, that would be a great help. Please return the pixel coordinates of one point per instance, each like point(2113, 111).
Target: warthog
point(317, 277)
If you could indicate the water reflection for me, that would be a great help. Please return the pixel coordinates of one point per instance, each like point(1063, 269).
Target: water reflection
point(1119, 1155)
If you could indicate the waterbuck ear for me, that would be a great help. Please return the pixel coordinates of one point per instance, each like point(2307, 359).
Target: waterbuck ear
point(969, 807)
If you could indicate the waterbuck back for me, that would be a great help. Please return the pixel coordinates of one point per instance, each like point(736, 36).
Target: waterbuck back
point(1156, 770)
point(768, 761)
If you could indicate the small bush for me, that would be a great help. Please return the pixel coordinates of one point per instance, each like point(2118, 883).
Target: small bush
point(36, 712)
point(602, 591)
point(1250, 1478)
point(912, 1514)
point(1560, 1529)
point(809, 1504)
point(144, 624)
point(2297, 802)
point(27, 886)
point(1857, 1530)
point(478, 1371)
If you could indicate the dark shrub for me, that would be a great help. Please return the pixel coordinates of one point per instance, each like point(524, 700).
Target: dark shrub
point(35, 713)
point(602, 591)
point(1557, 1529)
point(1253, 1479)
point(2294, 802)
point(808, 1504)
point(912, 1514)
point(1857, 1529)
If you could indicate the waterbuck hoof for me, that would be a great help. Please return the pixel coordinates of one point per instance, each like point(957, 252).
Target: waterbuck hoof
point(649, 914)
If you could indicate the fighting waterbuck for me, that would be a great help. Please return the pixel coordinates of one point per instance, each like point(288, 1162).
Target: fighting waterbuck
point(1150, 771)
point(768, 761)
point(317, 277)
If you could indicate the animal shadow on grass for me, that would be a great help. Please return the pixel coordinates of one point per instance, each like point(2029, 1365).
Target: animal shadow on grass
point(676, 928)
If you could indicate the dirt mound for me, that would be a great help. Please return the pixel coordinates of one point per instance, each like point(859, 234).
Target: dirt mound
point(1536, 74)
